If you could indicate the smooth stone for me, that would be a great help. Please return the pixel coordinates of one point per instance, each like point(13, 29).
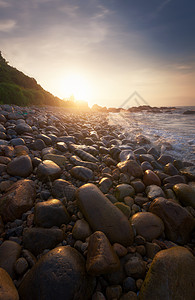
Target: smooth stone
point(135, 267)
point(172, 180)
point(126, 210)
point(61, 274)
point(154, 191)
point(20, 166)
point(189, 172)
point(138, 186)
point(170, 169)
point(9, 253)
point(62, 188)
point(81, 230)
point(178, 222)
point(146, 166)
point(130, 167)
point(150, 178)
point(50, 213)
point(82, 173)
point(153, 151)
point(21, 150)
point(147, 225)
point(45, 138)
point(17, 141)
point(38, 239)
point(126, 155)
point(123, 190)
point(60, 160)
point(101, 258)
point(8, 290)
point(120, 249)
point(146, 157)
point(18, 199)
point(171, 276)
point(38, 145)
point(129, 284)
point(48, 170)
point(165, 159)
point(21, 266)
point(105, 184)
point(152, 249)
point(185, 193)
point(102, 215)
point(4, 160)
point(22, 128)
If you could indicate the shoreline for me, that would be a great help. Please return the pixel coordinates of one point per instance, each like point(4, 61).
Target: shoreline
point(75, 189)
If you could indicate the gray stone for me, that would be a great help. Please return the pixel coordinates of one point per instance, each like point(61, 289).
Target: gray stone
point(102, 215)
point(61, 274)
point(50, 213)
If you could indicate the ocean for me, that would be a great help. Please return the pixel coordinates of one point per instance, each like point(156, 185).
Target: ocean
point(172, 132)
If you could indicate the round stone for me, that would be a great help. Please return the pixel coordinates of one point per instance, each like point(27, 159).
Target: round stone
point(48, 170)
point(20, 166)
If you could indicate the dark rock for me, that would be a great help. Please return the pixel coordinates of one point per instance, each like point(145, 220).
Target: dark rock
point(102, 215)
point(48, 170)
point(20, 166)
point(82, 173)
point(18, 199)
point(38, 239)
point(150, 178)
point(185, 193)
point(50, 213)
point(62, 188)
point(61, 274)
point(9, 253)
point(131, 167)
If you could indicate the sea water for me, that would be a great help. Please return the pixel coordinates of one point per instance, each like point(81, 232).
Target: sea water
point(171, 127)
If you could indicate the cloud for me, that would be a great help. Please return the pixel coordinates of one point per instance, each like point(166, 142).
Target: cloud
point(4, 4)
point(7, 25)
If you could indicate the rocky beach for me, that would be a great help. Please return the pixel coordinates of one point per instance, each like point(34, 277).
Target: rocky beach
point(88, 213)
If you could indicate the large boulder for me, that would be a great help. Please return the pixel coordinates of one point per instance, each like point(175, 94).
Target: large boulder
point(103, 216)
point(147, 225)
point(59, 274)
point(20, 166)
point(178, 222)
point(101, 258)
point(51, 213)
point(17, 200)
point(48, 171)
point(131, 167)
point(8, 290)
point(171, 276)
point(185, 193)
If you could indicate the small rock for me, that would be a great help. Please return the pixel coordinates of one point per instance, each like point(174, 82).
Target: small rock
point(62, 188)
point(135, 267)
point(21, 266)
point(81, 230)
point(20, 166)
point(82, 173)
point(48, 170)
point(123, 190)
point(150, 178)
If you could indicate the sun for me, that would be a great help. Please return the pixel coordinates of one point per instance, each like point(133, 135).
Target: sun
point(75, 85)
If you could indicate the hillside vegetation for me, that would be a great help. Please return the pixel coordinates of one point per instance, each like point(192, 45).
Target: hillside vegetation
point(20, 89)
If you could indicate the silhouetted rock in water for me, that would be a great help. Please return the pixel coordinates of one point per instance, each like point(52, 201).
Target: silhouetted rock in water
point(189, 112)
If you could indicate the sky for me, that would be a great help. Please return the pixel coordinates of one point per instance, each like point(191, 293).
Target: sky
point(102, 51)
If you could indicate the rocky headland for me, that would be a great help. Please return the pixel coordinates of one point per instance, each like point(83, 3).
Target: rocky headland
point(87, 213)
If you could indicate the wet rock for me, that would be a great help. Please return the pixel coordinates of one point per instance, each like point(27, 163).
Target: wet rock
point(170, 169)
point(62, 188)
point(131, 167)
point(154, 191)
point(82, 173)
point(165, 159)
point(38, 239)
point(18, 199)
point(146, 166)
point(20, 166)
point(102, 215)
point(81, 230)
point(50, 213)
point(48, 170)
point(147, 225)
point(126, 155)
point(60, 273)
point(185, 193)
point(101, 258)
point(17, 141)
point(178, 222)
point(47, 140)
point(150, 178)
point(9, 253)
point(8, 290)
point(123, 190)
point(172, 180)
point(146, 157)
point(171, 276)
